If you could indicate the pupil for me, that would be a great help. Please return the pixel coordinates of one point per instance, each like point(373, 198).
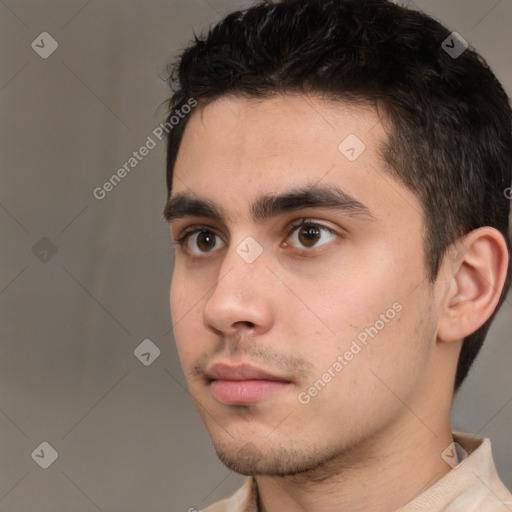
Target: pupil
point(205, 240)
point(309, 234)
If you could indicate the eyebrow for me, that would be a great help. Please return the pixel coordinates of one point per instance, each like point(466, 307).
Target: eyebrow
point(271, 205)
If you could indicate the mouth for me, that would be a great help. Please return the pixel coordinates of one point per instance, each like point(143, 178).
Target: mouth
point(243, 384)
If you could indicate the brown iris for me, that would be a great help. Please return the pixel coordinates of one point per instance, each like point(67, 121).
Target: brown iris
point(308, 235)
point(205, 241)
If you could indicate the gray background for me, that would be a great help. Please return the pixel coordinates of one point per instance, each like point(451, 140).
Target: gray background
point(127, 435)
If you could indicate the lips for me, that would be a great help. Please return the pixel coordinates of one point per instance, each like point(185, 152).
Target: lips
point(224, 371)
point(243, 384)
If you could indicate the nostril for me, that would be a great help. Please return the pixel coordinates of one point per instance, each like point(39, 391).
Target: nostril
point(248, 324)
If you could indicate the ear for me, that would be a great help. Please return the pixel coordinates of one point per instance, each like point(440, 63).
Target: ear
point(474, 270)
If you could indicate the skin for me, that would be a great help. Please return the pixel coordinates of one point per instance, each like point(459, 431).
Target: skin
point(372, 438)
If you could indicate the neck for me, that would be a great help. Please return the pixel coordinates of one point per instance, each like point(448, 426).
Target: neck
point(383, 473)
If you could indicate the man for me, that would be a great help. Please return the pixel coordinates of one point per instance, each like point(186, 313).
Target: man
point(337, 197)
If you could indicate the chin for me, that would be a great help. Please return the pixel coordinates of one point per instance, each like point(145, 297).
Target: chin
point(251, 460)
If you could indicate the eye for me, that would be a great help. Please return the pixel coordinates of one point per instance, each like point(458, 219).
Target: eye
point(306, 234)
point(310, 234)
point(200, 241)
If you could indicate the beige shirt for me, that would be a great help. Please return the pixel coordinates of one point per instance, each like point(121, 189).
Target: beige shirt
point(471, 486)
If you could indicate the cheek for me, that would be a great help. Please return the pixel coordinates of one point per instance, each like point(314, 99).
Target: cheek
point(187, 322)
point(376, 279)
point(373, 379)
point(342, 303)
point(176, 289)
point(188, 288)
point(366, 310)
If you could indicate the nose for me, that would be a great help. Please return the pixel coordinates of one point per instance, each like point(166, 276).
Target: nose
point(241, 298)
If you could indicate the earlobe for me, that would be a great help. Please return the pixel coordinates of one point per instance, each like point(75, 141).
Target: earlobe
point(476, 266)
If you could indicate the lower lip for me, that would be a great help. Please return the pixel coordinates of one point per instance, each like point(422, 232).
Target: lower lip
point(244, 392)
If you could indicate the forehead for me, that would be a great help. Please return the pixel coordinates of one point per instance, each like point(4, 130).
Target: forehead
point(235, 150)
point(237, 130)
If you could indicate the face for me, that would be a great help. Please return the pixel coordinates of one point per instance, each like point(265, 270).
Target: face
point(299, 297)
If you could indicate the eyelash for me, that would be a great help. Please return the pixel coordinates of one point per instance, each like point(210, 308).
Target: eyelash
point(181, 240)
